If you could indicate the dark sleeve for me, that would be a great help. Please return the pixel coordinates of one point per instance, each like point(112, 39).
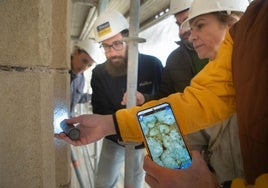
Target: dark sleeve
point(178, 72)
point(167, 84)
point(98, 99)
point(116, 127)
point(157, 75)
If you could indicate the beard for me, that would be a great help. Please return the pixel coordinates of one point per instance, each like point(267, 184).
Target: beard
point(116, 66)
point(185, 40)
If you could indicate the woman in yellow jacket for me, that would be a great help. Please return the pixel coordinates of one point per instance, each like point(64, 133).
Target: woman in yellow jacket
point(212, 97)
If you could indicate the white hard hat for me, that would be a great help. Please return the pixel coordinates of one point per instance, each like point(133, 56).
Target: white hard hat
point(91, 47)
point(200, 7)
point(177, 6)
point(109, 24)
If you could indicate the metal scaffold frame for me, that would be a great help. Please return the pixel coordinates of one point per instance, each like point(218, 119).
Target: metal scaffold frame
point(132, 77)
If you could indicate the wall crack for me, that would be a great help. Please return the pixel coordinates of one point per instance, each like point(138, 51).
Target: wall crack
point(32, 69)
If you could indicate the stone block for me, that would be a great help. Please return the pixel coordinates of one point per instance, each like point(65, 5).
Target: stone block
point(25, 34)
point(26, 133)
point(61, 34)
point(61, 111)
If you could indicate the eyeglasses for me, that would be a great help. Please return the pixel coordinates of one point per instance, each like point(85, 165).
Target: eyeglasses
point(116, 45)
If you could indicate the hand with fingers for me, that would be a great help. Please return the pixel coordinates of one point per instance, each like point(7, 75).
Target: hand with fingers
point(92, 127)
point(197, 175)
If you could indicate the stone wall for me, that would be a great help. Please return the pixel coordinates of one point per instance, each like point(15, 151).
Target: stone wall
point(34, 81)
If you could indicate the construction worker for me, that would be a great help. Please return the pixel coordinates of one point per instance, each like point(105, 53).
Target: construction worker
point(84, 55)
point(109, 83)
point(183, 63)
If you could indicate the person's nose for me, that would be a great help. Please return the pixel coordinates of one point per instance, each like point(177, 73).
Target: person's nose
point(82, 68)
point(112, 52)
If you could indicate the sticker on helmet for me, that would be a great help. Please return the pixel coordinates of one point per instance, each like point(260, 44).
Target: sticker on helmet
point(104, 29)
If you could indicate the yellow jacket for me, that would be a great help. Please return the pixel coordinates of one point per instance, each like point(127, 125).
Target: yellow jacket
point(208, 100)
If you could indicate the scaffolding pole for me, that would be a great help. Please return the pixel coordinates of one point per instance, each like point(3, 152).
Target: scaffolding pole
point(76, 168)
point(132, 73)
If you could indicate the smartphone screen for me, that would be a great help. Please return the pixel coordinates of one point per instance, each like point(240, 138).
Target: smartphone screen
point(163, 139)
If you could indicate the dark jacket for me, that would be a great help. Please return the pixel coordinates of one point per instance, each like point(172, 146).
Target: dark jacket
point(108, 91)
point(181, 66)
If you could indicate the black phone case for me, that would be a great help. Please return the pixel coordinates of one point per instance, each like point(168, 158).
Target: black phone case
point(163, 139)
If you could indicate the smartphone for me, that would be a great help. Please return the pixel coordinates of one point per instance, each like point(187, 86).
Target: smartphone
point(163, 139)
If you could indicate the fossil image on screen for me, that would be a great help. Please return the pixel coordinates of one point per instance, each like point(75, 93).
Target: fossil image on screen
point(165, 143)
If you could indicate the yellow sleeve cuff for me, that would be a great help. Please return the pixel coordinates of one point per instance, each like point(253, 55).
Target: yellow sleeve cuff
point(261, 182)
